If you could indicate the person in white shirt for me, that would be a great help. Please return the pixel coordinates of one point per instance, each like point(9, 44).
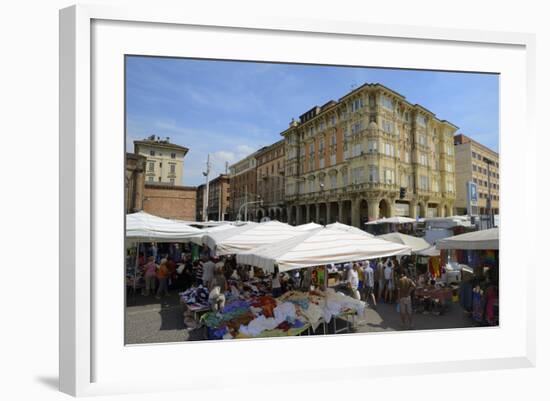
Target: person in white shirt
point(379, 278)
point(353, 281)
point(388, 277)
point(208, 272)
point(369, 284)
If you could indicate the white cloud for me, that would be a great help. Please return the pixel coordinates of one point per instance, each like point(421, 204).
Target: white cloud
point(246, 149)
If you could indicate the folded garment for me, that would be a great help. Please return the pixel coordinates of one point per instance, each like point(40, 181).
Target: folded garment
point(267, 303)
point(285, 311)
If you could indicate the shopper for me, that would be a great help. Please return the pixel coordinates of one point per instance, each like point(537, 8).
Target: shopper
point(353, 281)
point(208, 272)
point(405, 287)
point(369, 284)
point(276, 283)
point(379, 277)
point(150, 275)
point(162, 274)
point(388, 278)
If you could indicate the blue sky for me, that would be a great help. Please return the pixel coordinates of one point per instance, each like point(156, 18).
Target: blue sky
point(229, 109)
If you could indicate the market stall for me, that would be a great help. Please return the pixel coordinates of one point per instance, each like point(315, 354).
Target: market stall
point(248, 237)
point(144, 227)
point(320, 247)
point(478, 294)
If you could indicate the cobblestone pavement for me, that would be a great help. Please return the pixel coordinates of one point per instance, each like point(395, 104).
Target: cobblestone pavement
point(150, 320)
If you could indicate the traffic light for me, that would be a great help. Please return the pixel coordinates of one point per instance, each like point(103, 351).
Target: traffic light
point(402, 192)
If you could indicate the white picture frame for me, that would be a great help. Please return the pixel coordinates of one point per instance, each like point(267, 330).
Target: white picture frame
point(85, 355)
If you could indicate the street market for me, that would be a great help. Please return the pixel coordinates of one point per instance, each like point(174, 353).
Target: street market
point(241, 280)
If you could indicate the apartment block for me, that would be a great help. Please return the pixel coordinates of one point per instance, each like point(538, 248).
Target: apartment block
point(478, 164)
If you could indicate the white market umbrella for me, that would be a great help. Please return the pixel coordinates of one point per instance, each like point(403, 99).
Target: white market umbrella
point(393, 220)
point(320, 247)
point(416, 243)
point(477, 240)
point(431, 251)
point(346, 228)
point(197, 238)
point(142, 226)
point(308, 226)
point(250, 236)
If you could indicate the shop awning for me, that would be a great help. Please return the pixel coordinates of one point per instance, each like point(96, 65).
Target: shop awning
point(416, 243)
point(320, 247)
point(248, 237)
point(142, 226)
point(480, 240)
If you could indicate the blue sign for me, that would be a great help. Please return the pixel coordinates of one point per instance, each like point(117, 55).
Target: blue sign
point(472, 193)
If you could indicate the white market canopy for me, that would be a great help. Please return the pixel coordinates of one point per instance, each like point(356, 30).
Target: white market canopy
point(142, 226)
point(480, 240)
point(308, 226)
point(198, 237)
point(346, 228)
point(248, 237)
point(207, 224)
point(431, 251)
point(447, 222)
point(320, 247)
point(392, 220)
point(416, 243)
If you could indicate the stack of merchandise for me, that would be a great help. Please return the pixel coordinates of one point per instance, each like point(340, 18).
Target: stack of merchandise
point(290, 314)
point(195, 296)
point(257, 287)
point(319, 306)
point(252, 318)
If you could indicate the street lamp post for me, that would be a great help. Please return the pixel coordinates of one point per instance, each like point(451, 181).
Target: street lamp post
point(322, 188)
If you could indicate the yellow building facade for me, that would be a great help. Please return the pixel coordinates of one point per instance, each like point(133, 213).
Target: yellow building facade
point(164, 163)
point(370, 154)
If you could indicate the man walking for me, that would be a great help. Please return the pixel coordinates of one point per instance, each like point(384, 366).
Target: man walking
point(368, 284)
point(208, 272)
point(388, 278)
point(379, 277)
point(405, 287)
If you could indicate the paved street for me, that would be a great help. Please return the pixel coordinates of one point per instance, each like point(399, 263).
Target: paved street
point(158, 321)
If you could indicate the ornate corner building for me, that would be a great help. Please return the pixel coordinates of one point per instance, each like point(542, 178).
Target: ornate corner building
point(371, 154)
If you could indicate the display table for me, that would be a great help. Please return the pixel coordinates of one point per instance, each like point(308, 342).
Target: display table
point(441, 294)
point(432, 299)
point(345, 317)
